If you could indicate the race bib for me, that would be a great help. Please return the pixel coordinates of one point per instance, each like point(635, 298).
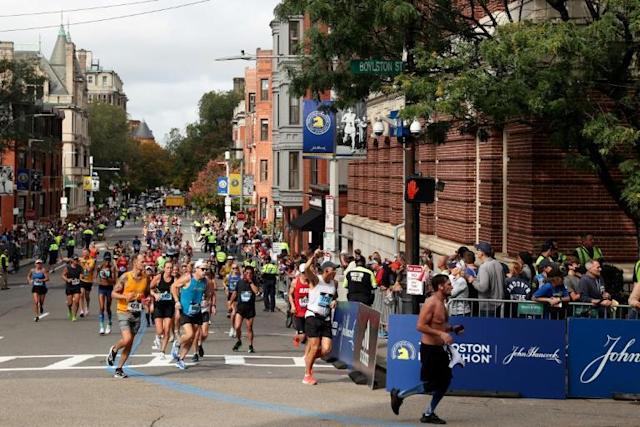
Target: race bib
point(75, 282)
point(325, 300)
point(134, 307)
point(245, 296)
point(38, 283)
point(303, 302)
point(121, 269)
point(165, 296)
point(205, 306)
point(193, 309)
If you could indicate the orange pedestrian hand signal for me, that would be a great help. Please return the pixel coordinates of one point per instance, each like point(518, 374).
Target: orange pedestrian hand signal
point(420, 189)
point(412, 189)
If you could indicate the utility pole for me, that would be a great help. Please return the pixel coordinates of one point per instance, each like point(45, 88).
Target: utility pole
point(91, 192)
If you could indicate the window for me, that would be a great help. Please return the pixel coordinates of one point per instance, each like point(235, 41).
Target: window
point(294, 170)
point(264, 89)
point(294, 110)
point(89, 79)
point(264, 170)
point(263, 208)
point(294, 37)
point(104, 80)
point(314, 171)
point(252, 102)
point(264, 129)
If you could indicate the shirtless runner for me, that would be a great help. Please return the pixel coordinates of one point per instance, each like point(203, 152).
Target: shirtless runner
point(435, 374)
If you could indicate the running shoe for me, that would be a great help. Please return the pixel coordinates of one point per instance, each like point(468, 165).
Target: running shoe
point(175, 351)
point(156, 343)
point(396, 400)
point(296, 342)
point(163, 356)
point(74, 318)
point(308, 379)
point(111, 357)
point(200, 350)
point(195, 358)
point(35, 319)
point(230, 332)
point(69, 315)
point(81, 313)
point(101, 329)
point(108, 329)
point(251, 350)
point(237, 345)
point(431, 419)
point(180, 364)
point(119, 373)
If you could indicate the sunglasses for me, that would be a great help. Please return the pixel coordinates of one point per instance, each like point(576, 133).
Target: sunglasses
point(203, 269)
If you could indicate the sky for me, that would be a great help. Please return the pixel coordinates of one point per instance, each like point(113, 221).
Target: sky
point(165, 59)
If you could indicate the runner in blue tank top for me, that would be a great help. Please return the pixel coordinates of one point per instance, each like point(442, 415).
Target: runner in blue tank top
point(188, 292)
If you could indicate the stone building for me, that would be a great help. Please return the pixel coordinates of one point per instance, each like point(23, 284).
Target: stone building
point(103, 85)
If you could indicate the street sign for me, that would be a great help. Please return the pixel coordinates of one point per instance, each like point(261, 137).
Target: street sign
point(223, 186)
point(87, 183)
point(419, 189)
point(63, 212)
point(63, 200)
point(377, 67)
point(329, 242)
point(414, 280)
point(241, 216)
point(329, 218)
point(227, 209)
point(278, 211)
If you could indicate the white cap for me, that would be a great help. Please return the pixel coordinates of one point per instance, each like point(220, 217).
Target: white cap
point(302, 268)
point(200, 264)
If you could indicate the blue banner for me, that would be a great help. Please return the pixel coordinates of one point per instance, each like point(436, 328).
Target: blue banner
point(501, 355)
point(319, 131)
point(23, 178)
point(223, 186)
point(604, 357)
point(343, 325)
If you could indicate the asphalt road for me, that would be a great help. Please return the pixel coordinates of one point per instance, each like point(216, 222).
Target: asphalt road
point(52, 373)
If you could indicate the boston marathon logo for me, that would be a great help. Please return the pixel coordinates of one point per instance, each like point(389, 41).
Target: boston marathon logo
point(403, 350)
point(346, 327)
point(474, 353)
point(318, 122)
point(531, 353)
point(592, 371)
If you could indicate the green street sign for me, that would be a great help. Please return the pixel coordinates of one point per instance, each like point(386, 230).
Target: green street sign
point(377, 67)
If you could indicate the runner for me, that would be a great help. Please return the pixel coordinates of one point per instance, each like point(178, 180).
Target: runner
point(435, 375)
point(164, 307)
point(188, 292)
point(38, 277)
point(88, 265)
point(122, 264)
point(245, 297)
point(322, 299)
point(106, 280)
point(130, 291)
point(231, 283)
point(208, 308)
point(137, 244)
point(298, 300)
point(71, 277)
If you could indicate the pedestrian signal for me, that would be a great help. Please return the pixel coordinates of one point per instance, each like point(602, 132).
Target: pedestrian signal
point(420, 189)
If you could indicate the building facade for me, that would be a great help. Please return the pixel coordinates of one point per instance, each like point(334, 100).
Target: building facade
point(103, 85)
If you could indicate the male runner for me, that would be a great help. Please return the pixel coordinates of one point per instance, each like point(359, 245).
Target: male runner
point(435, 375)
point(245, 296)
point(71, 277)
point(208, 308)
point(88, 265)
point(188, 292)
point(130, 291)
point(322, 299)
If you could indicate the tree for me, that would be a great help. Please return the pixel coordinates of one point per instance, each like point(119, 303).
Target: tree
point(151, 167)
point(573, 78)
point(203, 191)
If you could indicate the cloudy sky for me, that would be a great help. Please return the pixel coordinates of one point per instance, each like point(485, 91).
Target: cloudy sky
point(165, 59)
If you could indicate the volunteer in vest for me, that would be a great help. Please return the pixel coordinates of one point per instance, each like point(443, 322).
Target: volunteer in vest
point(322, 299)
point(231, 283)
point(71, 245)
point(131, 290)
point(106, 280)
point(38, 277)
point(211, 241)
point(588, 251)
point(101, 230)
point(87, 236)
point(298, 300)
point(4, 269)
point(164, 307)
point(245, 297)
point(360, 283)
point(188, 292)
point(221, 258)
point(208, 308)
point(88, 265)
point(268, 276)
point(71, 277)
point(54, 247)
point(545, 253)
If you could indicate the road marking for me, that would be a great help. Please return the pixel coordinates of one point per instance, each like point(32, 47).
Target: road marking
point(234, 360)
point(1, 338)
point(69, 363)
point(45, 314)
point(6, 358)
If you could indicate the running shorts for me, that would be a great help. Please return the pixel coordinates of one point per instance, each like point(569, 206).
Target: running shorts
point(318, 327)
point(164, 310)
point(298, 323)
point(72, 289)
point(105, 290)
point(129, 322)
point(206, 316)
point(435, 372)
point(196, 319)
point(40, 290)
point(246, 311)
point(86, 286)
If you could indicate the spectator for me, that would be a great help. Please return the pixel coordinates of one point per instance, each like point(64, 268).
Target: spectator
point(360, 283)
point(470, 272)
point(553, 294)
point(634, 301)
point(516, 288)
point(490, 281)
point(526, 261)
point(545, 252)
point(358, 258)
point(442, 265)
point(460, 290)
point(427, 258)
point(572, 278)
point(588, 251)
point(591, 288)
point(544, 268)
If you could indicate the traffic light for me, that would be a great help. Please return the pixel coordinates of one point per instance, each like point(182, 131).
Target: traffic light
point(419, 189)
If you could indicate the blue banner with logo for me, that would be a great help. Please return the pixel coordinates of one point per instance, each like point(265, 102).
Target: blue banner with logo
point(343, 325)
point(501, 355)
point(318, 136)
point(223, 186)
point(23, 178)
point(604, 357)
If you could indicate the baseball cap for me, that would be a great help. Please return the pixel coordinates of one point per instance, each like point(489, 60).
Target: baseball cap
point(328, 264)
point(484, 247)
point(76, 257)
point(301, 268)
point(200, 264)
point(38, 261)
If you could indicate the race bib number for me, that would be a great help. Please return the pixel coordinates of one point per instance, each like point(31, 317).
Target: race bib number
point(165, 296)
point(245, 296)
point(75, 282)
point(38, 283)
point(122, 269)
point(325, 300)
point(303, 302)
point(134, 307)
point(193, 309)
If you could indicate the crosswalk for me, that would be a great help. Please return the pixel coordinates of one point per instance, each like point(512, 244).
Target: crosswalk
point(63, 362)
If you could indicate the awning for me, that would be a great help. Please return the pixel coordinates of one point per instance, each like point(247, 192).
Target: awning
point(310, 220)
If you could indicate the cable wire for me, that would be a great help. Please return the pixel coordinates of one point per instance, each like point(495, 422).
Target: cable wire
point(113, 18)
point(55, 12)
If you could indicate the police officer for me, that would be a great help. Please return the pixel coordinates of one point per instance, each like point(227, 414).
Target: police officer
point(269, 274)
point(54, 247)
point(211, 241)
point(360, 283)
point(71, 245)
point(87, 235)
point(221, 258)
